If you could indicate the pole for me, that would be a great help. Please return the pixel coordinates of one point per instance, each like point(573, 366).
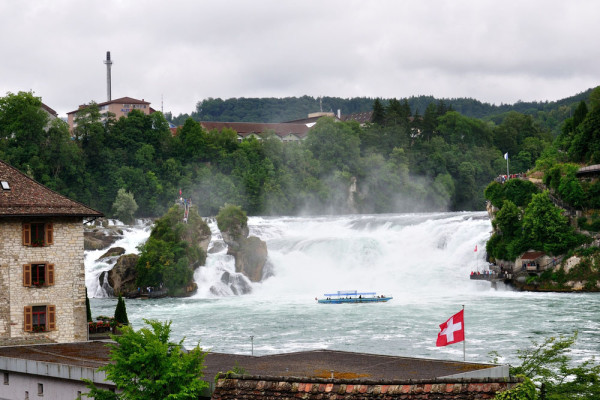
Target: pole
point(252, 344)
point(507, 174)
point(465, 338)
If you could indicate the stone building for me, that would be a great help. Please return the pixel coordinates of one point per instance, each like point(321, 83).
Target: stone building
point(42, 275)
point(120, 107)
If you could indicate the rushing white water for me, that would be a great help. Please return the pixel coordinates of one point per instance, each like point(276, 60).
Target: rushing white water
point(422, 260)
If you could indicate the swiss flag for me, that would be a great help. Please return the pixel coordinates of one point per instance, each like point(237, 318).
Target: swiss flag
point(452, 331)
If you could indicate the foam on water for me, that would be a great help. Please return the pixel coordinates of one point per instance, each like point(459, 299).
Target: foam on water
point(423, 260)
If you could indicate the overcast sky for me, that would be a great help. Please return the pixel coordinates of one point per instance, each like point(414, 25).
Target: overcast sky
point(186, 51)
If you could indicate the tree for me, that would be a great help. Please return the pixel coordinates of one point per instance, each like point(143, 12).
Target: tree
point(509, 219)
point(378, 116)
point(121, 312)
point(335, 145)
point(88, 309)
point(545, 227)
point(125, 206)
point(233, 219)
point(549, 364)
point(146, 365)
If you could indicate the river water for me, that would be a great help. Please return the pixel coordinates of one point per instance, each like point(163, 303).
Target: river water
point(422, 260)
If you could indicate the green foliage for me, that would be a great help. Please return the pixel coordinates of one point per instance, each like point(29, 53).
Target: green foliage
point(124, 206)
point(517, 191)
point(448, 155)
point(172, 250)
point(549, 364)
point(523, 391)
point(232, 219)
point(88, 310)
point(121, 312)
point(146, 365)
point(546, 228)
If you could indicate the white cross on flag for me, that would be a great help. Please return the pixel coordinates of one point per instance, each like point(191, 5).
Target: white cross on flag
point(452, 331)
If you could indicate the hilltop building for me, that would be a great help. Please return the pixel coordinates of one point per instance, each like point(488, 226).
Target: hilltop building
point(119, 107)
point(288, 132)
point(42, 276)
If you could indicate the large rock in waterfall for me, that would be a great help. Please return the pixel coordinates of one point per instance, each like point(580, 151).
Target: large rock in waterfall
point(123, 275)
point(98, 238)
point(195, 231)
point(250, 252)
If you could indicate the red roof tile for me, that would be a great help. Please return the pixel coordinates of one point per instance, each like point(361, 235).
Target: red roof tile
point(26, 197)
point(246, 128)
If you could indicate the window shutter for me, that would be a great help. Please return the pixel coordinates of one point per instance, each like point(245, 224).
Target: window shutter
point(26, 274)
point(51, 318)
point(26, 234)
point(49, 233)
point(28, 319)
point(50, 274)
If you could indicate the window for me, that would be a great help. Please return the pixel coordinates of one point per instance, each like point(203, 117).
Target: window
point(6, 378)
point(40, 318)
point(40, 389)
point(37, 234)
point(38, 274)
point(5, 185)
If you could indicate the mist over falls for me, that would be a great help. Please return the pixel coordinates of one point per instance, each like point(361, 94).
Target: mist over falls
point(404, 255)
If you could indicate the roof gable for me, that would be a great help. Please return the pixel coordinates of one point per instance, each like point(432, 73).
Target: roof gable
point(26, 197)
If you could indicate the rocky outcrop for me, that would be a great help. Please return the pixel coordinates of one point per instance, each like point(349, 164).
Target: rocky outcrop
point(251, 259)
point(101, 238)
point(113, 252)
point(250, 252)
point(123, 275)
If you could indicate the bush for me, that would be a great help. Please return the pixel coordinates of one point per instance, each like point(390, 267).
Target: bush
point(124, 206)
point(232, 219)
point(121, 312)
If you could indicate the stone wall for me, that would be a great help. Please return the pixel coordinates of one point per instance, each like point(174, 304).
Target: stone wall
point(68, 291)
point(256, 387)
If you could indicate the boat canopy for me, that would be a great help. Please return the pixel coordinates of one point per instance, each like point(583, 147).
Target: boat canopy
point(350, 293)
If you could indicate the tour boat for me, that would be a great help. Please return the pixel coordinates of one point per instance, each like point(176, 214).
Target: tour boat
point(352, 296)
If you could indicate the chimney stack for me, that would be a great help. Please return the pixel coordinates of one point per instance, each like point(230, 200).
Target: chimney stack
point(108, 63)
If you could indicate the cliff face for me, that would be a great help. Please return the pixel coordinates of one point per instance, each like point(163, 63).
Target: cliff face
point(250, 252)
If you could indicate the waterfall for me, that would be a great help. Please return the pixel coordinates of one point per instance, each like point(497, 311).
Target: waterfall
point(133, 236)
point(405, 255)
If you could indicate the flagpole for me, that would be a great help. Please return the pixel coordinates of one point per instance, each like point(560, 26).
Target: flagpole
point(507, 174)
point(465, 338)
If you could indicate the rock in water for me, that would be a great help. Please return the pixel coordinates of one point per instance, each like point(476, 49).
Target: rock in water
point(122, 277)
point(251, 258)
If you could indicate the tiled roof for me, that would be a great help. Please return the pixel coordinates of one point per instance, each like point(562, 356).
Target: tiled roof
point(49, 110)
point(246, 128)
point(82, 354)
point(26, 197)
point(309, 365)
point(359, 366)
point(257, 387)
point(122, 100)
point(361, 118)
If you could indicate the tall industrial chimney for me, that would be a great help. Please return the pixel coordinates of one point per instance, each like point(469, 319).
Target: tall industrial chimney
point(108, 64)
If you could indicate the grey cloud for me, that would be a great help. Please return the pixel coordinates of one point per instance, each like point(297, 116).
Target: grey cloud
point(184, 51)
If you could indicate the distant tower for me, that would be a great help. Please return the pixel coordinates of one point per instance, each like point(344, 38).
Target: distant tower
point(108, 65)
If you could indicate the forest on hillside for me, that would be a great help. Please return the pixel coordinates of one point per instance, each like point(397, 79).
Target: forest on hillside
point(549, 115)
point(439, 159)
